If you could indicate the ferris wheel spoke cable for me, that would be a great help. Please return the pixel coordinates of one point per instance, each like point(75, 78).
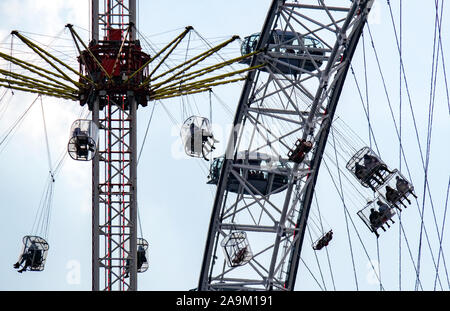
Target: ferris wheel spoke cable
point(400, 118)
point(312, 274)
point(366, 85)
point(355, 187)
point(442, 234)
point(397, 131)
point(347, 228)
point(12, 129)
point(379, 264)
point(6, 103)
point(352, 222)
point(341, 194)
point(317, 259)
point(437, 24)
point(366, 111)
point(410, 252)
point(326, 248)
point(49, 158)
point(434, 64)
point(433, 84)
point(146, 133)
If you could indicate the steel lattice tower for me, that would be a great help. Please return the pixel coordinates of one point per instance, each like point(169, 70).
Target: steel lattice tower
point(114, 225)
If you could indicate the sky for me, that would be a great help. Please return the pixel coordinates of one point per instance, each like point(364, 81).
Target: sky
point(174, 201)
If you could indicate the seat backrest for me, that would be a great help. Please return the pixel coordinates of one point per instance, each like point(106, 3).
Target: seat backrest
point(37, 258)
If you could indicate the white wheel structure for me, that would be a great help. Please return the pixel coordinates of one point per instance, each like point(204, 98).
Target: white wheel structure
point(294, 98)
point(278, 106)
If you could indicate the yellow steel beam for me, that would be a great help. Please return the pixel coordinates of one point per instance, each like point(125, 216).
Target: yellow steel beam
point(33, 68)
point(89, 50)
point(189, 88)
point(211, 79)
point(33, 80)
point(166, 56)
point(197, 59)
point(64, 96)
point(42, 53)
point(179, 94)
point(36, 86)
point(83, 58)
point(177, 39)
point(203, 71)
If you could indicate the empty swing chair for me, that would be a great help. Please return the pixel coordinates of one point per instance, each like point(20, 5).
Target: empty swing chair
point(236, 249)
point(83, 140)
point(33, 255)
point(197, 137)
point(368, 168)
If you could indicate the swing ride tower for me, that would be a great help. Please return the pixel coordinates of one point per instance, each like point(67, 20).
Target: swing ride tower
point(115, 77)
point(121, 82)
point(114, 198)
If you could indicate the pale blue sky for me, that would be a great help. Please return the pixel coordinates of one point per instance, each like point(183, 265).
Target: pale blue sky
point(174, 201)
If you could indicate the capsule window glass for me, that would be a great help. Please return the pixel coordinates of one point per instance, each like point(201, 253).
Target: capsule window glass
point(308, 42)
point(262, 173)
point(83, 140)
point(252, 43)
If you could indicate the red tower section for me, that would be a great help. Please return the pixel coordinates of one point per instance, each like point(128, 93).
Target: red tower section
point(110, 63)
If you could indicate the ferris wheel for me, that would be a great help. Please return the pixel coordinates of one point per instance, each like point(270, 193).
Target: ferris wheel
point(266, 221)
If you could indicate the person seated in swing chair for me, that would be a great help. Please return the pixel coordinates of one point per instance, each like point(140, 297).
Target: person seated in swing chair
point(141, 259)
point(385, 213)
point(404, 188)
point(240, 256)
point(82, 143)
point(324, 241)
point(363, 174)
point(205, 137)
point(375, 167)
point(302, 147)
point(31, 257)
point(375, 221)
point(393, 196)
